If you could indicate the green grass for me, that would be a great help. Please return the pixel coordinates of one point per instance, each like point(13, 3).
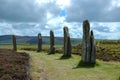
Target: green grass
point(53, 68)
point(29, 46)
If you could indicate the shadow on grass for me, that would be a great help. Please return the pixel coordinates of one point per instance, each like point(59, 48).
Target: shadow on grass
point(64, 57)
point(38, 51)
point(50, 53)
point(118, 78)
point(86, 65)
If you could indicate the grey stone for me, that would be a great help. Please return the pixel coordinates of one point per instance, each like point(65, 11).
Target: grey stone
point(88, 44)
point(14, 43)
point(52, 42)
point(39, 42)
point(67, 42)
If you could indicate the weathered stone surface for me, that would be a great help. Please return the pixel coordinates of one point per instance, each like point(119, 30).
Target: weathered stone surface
point(67, 42)
point(14, 43)
point(39, 42)
point(92, 48)
point(88, 49)
point(86, 41)
point(52, 42)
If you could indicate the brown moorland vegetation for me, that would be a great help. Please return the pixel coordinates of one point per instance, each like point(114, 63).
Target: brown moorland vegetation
point(106, 50)
point(14, 65)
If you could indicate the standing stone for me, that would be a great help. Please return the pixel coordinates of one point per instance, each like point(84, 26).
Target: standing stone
point(86, 42)
point(88, 45)
point(14, 43)
point(92, 48)
point(67, 42)
point(52, 43)
point(39, 42)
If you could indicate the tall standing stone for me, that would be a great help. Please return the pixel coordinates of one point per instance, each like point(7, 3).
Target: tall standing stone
point(67, 42)
point(88, 45)
point(39, 42)
point(52, 42)
point(86, 42)
point(14, 43)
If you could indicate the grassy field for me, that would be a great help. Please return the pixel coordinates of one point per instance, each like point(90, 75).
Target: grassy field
point(28, 46)
point(51, 67)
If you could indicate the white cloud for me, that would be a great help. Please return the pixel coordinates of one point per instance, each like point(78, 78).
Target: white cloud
point(30, 17)
point(63, 3)
point(114, 4)
point(43, 1)
point(103, 30)
point(49, 15)
point(55, 23)
point(6, 28)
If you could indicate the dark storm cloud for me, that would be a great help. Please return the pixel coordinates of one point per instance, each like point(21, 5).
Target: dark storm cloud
point(25, 10)
point(93, 10)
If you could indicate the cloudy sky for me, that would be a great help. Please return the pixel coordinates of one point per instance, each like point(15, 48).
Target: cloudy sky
point(29, 17)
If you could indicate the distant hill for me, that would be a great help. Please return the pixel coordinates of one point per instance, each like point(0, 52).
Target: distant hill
point(7, 40)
